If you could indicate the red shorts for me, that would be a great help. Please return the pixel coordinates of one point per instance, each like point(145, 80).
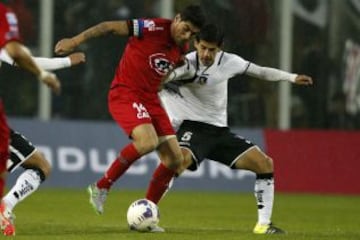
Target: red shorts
point(4, 139)
point(129, 109)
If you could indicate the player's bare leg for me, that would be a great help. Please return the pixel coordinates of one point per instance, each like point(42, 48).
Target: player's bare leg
point(188, 160)
point(37, 170)
point(171, 158)
point(145, 140)
point(257, 161)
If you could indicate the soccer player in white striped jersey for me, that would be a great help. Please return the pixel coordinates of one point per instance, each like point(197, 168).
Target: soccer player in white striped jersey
point(199, 111)
point(23, 153)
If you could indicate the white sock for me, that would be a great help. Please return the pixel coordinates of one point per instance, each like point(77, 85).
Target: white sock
point(264, 194)
point(27, 183)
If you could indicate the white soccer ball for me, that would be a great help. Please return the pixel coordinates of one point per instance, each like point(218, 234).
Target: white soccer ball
point(143, 215)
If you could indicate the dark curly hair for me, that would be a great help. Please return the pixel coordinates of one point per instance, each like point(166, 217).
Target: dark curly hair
point(211, 33)
point(193, 14)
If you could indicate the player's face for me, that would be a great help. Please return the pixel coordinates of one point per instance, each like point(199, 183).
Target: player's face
point(206, 52)
point(182, 31)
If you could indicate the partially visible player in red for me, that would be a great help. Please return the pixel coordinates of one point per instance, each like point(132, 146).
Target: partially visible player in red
point(155, 47)
point(10, 40)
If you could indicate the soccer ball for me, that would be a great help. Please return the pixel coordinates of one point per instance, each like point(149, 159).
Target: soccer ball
point(143, 215)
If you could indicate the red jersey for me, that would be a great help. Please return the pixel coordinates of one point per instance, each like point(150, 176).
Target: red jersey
point(148, 56)
point(9, 30)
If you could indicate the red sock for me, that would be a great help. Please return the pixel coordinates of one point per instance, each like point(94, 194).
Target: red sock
point(128, 156)
point(159, 183)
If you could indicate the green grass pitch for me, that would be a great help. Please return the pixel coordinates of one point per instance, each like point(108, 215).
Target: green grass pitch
point(66, 214)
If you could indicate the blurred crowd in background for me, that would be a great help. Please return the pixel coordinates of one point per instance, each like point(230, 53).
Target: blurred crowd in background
point(326, 46)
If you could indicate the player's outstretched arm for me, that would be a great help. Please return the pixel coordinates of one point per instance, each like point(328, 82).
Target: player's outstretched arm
point(273, 74)
point(22, 57)
point(67, 45)
point(49, 64)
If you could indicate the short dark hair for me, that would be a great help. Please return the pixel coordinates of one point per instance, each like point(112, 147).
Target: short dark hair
point(211, 33)
point(193, 14)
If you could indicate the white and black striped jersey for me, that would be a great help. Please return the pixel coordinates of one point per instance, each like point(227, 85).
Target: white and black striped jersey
point(205, 94)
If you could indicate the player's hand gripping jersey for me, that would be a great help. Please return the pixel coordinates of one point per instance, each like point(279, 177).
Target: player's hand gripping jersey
point(148, 57)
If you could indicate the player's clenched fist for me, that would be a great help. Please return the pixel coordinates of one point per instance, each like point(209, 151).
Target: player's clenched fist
point(65, 46)
point(303, 80)
point(77, 58)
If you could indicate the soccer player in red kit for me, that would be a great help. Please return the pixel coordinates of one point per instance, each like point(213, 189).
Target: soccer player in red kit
point(155, 47)
point(10, 41)
point(6, 34)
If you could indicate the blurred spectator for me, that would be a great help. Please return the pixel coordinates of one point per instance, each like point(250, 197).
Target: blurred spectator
point(97, 73)
point(120, 10)
point(310, 49)
point(299, 118)
point(338, 118)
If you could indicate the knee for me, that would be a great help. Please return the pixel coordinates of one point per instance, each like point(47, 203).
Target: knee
point(265, 165)
point(44, 165)
point(46, 168)
point(176, 162)
point(146, 145)
point(41, 164)
point(187, 161)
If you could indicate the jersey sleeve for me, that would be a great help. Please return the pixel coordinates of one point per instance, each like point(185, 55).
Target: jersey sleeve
point(183, 72)
point(136, 27)
point(270, 74)
point(141, 27)
point(9, 30)
point(186, 71)
point(237, 65)
point(51, 64)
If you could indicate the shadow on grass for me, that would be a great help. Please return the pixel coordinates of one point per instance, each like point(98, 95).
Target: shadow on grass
point(51, 229)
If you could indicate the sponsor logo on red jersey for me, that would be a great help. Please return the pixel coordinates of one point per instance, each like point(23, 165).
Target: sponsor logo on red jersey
point(151, 26)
